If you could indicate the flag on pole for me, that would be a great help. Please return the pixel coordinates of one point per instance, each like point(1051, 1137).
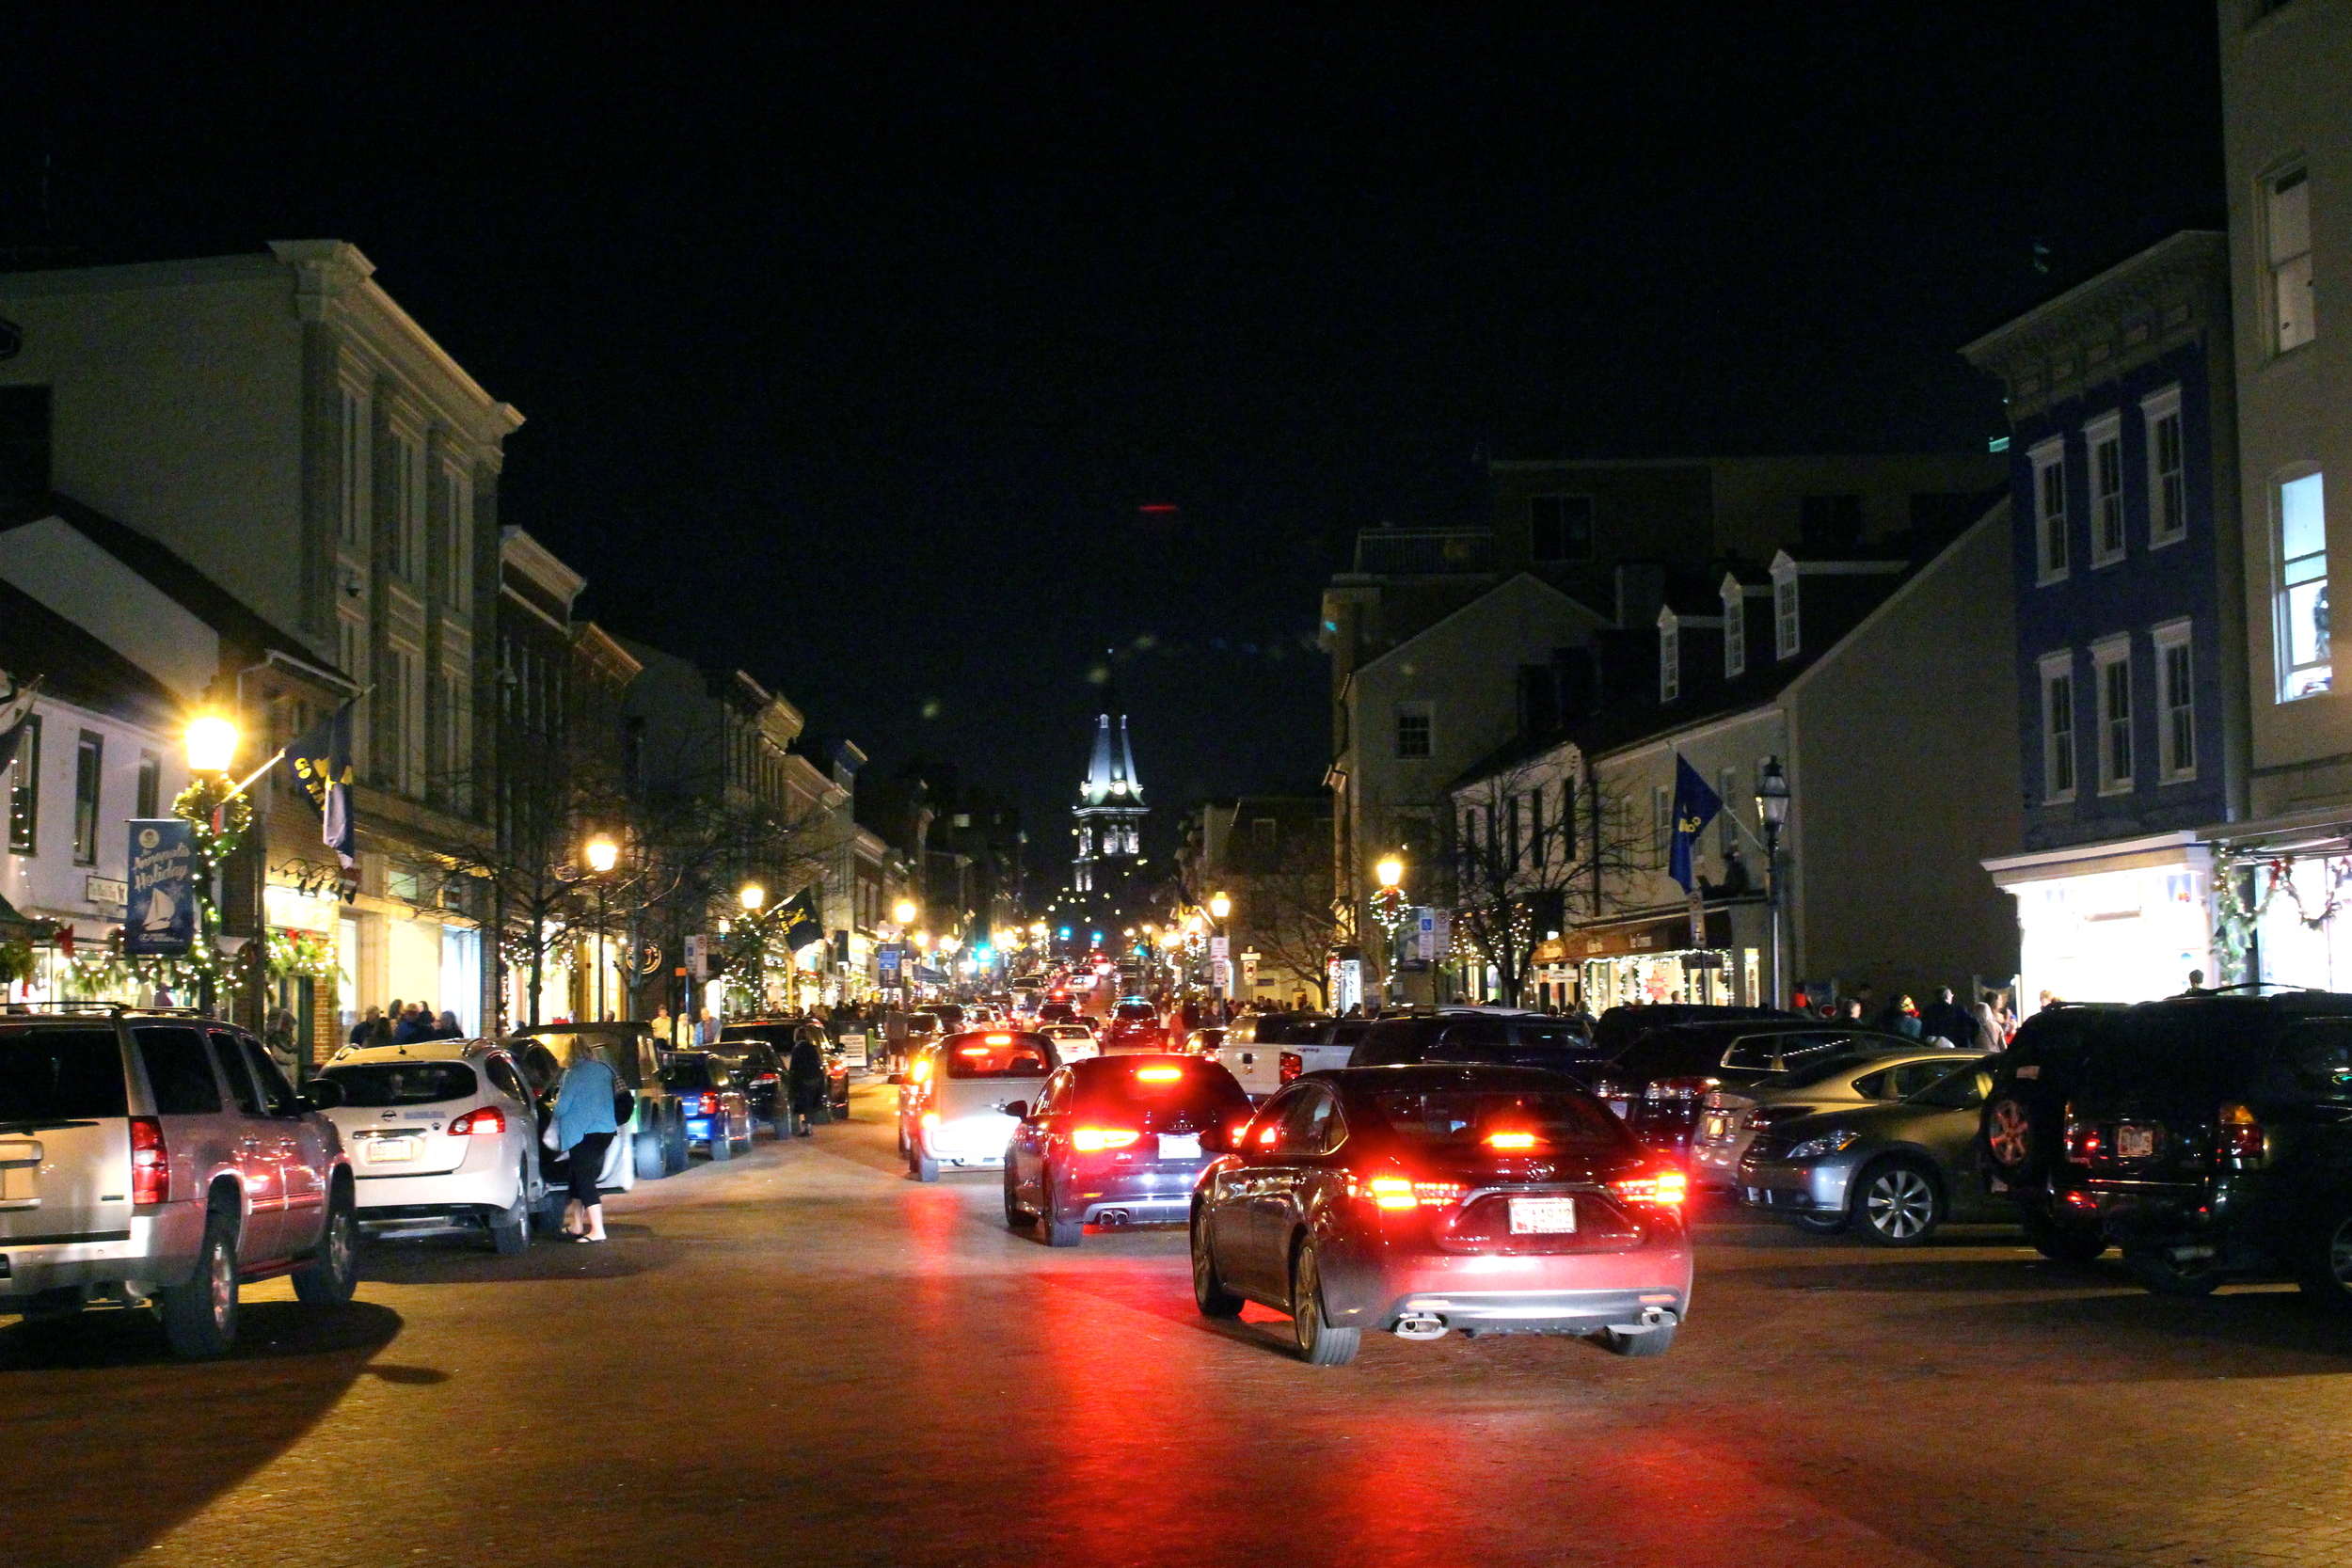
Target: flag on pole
point(1695, 806)
point(801, 922)
point(321, 758)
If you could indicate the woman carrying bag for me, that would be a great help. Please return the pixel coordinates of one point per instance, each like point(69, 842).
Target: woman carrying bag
point(588, 1115)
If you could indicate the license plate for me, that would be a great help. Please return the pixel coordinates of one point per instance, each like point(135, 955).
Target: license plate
point(1542, 1216)
point(1173, 1148)
point(383, 1151)
point(2135, 1143)
point(1714, 1129)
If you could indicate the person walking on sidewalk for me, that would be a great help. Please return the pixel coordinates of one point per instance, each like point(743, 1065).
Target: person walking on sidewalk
point(804, 1077)
point(585, 1125)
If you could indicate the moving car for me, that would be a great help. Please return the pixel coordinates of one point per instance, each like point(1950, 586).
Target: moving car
point(1488, 1036)
point(1115, 1140)
point(1204, 1041)
point(443, 1135)
point(1619, 1028)
point(1729, 1117)
point(1895, 1173)
point(718, 1113)
point(963, 1121)
point(1134, 1026)
point(2212, 1135)
point(656, 1133)
point(1424, 1200)
point(1072, 1042)
point(1660, 1082)
point(158, 1158)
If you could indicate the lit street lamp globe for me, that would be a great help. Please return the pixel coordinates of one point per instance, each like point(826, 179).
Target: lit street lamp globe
point(603, 855)
point(1220, 905)
point(753, 895)
point(212, 742)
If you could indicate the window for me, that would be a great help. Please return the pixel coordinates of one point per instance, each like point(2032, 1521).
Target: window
point(23, 444)
point(1785, 641)
point(1535, 854)
point(456, 728)
point(2104, 440)
point(1735, 635)
point(1726, 825)
point(2176, 696)
point(89, 758)
point(1560, 528)
point(1669, 661)
point(404, 709)
point(2112, 661)
point(1662, 821)
point(150, 784)
point(1511, 832)
point(1264, 833)
point(1569, 845)
point(24, 798)
point(1470, 840)
point(2168, 487)
point(457, 570)
point(2058, 727)
point(2049, 509)
point(408, 505)
point(1412, 731)
point(2288, 222)
point(2304, 670)
point(358, 466)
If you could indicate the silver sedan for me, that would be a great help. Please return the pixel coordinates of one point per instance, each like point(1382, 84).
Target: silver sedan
point(1730, 1119)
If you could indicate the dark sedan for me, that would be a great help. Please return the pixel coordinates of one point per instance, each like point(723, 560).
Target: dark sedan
point(1421, 1199)
point(1117, 1140)
point(777, 1035)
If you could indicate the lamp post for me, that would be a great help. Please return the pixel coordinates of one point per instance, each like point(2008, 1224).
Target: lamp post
point(1388, 907)
point(753, 898)
point(1771, 810)
point(211, 746)
point(602, 855)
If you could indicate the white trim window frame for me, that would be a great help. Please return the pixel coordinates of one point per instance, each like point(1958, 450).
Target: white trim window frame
point(2051, 557)
point(2060, 742)
point(2167, 467)
point(2287, 209)
point(1669, 658)
point(1787, 625)
point(2111, 681)
point(1735, 633)
point(2176, 701)
point(2299, 602)
point(409, 503)
point(2103, 467)
point(1662, 814)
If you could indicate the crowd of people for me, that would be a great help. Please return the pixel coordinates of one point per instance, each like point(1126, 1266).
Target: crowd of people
point(404, 1023)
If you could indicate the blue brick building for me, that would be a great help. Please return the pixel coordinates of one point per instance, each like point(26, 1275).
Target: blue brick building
point(2126, 566)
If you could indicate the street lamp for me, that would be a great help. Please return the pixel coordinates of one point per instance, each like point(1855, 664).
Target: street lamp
point(1388, 912)
point(212, 742)
point(1390, 871)
point(904, 912)
point(602, 856)
point(753, 897)
point(1771, 809)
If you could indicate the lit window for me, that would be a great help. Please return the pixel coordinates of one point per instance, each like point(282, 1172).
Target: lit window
point(2058, 727)
point(2104, 441)
point(2302, 603)
point(25, 793)
point(2176, 693)
point(2289, 215)
point(2049, 508)
point(2112, 660)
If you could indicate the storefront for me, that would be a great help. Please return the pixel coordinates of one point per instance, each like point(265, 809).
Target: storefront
point(1653, 960)
point(2123, 921)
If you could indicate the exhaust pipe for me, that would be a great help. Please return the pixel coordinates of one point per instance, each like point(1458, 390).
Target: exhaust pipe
point(1112, 1217)
point(1420, 1326)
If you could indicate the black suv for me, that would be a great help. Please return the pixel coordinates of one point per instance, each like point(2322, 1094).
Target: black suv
point(1658, 1082)
point(1493, 1038)
point(2208, 1134)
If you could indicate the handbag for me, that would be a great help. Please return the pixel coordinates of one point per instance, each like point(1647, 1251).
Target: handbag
point(552, 1135)
point(624, 1107)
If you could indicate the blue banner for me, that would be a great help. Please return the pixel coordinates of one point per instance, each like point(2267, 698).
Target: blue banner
point(321, 759)
point(1695, 806)
point(159, 917)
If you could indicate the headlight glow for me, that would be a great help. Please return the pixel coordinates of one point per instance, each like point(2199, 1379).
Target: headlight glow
point(1826, 1144)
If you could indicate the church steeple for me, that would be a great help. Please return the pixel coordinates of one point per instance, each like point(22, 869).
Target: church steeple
point(1110, 809)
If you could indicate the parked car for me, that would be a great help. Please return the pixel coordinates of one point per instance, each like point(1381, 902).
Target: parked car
point(1253, 1045)
point(1660, 1082)
point(1072, 1042)
point(1424, 1200)
point(443, 1135)
point(949, 1016)
point(1729, 1117)
point(718, 1112)
point(1894, 1173)
point(758, 1068)
point(1115, 1140)
point(778, 1035)
point(2212, 1135)
point(656, 1133)
point(963, 1121)
point(2021, 1136)
point(1134, 1026)
point(156, 1157)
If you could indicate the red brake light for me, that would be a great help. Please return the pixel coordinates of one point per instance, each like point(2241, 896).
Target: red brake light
point(1291, 1063)
point(481, 1123)
point(2082, 1142)
point(1159, 1075)
point(1510, 1140)
point(1391, 1192)
point(711, 1106)
point(1663, 1189)
point(1094, 1140)
point(922, 1068)
point(2241, 1134)
point(765, 1078)
point(1267, 1133)
point(996, 1039)
point(151, 1163)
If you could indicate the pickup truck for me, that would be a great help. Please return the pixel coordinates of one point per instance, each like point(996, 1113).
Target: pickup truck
point(1270, 1050)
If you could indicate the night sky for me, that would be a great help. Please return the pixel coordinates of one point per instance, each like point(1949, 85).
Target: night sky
point(852, 352)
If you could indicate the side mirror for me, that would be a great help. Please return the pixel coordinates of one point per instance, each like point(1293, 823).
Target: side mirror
point(323, 1094)
point(1017, 1109)
point(898, 1080)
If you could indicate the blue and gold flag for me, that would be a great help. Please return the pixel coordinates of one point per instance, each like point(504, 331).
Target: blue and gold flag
point(1695, 806)
point(321, 759)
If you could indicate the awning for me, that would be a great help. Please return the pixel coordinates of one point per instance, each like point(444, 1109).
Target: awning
point(1645, 937)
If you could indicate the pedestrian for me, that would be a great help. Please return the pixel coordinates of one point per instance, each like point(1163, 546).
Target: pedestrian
point(587, 1117)
point(281, 1038)
point(448, 1028)
point(1988, 1033)
point(365, 1027)
point(379, 1031)
point(1946, 1019)
point(804, 1077)
point(1850, 1011)
point(661, 1024)
point(1903, 1019)
point(414, 1026)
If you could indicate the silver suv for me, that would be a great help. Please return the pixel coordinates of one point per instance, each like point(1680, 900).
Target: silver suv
point(161, 1157)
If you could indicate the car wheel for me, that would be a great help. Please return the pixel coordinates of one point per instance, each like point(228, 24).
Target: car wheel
point(2017, 1139)
point(509, 1229)
point(673, 1144)
point(1897, 1203)
point(649, 1149)
point(1061, 1229)
point(1649, 1342)
point(2059, 1242)
point(1016, 1217)
point(720, 1145)
point(1819, 1224)
point(1208, 1292)
point(2161, 1274)
point(922, 1166)
point(2323, 1267)
point(331, 1272)
point(201, 1317)
point(902, 1138)
point(1319, 1343)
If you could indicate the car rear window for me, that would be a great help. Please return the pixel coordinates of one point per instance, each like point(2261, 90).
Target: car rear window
point(373, 1085)
point(1006, 1056)
point(179, 1073)
point(1960, 1090)
point(52, 1075)
point(621, 1054)
point(1464, 1119)
point(1554, 1037)
point(690, 1073)
point(1137, 1010)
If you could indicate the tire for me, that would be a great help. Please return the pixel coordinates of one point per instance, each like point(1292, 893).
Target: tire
point(2059, 1243)
point(201, 1317)
point(674, 1142)
point(647, 1152)
point(1208, 1292)
point(510, 1229)
point(1059, 1231)
point(331, 1272)
point(1319, 1344)
point(1897, 1203)
point(1820, 1225)
point(1649, 1341)
point(2018, 1139)
point(1016, 1217)
point(720, 1145)
point(922, 1166)
point(2323, 1264)
point(2159, 1273)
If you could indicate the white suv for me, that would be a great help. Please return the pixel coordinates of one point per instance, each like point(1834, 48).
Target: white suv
point(444, 1136)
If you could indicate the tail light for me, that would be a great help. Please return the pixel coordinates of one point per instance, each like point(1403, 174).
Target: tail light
point(1399, 1193)
point(151, 1163)
point(1159, 1075)
point(1659, 1189)
point(1391, 1192)
point(486, 1122)
point(2082, 1143)
point(1094, 1140)
point(2241, 1136)
point(765, 1078)
point(930, 1119)
point(709, 1105)
point(922, 1069)
point(1292, 1065)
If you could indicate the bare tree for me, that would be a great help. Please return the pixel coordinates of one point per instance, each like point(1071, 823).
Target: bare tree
point(1287, 910)
point(1527, 850)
